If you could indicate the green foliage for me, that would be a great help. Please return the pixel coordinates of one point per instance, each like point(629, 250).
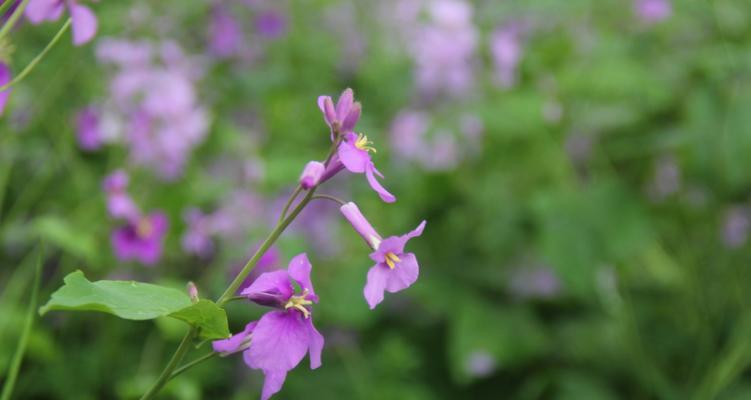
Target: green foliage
point(207, 316)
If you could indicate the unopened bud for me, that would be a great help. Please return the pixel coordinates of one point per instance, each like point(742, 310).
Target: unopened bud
point(311, 175)
point(193, 292)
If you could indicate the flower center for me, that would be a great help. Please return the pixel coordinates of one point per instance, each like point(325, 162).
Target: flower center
point(392, 259)
point(299, 302)
point(363, 143)
point(144, 228)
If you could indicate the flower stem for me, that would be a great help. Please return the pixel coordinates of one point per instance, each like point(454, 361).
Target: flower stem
point(329, 197)
point(193, 363)
point(273, 236)
point(166, 374)
point(291, 199)
point(13, 18)
point(38, 58)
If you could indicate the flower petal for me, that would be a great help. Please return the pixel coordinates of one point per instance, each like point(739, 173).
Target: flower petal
point(350, 120)
point(84, 23)
point(235, 342)
point(404, 274)
point(316, 345)
point(382, 192)
point(272, 383)
point(375, 285)
point(358, 221)
point(38, 11)
point(5, 77)
point(280, 341)
point(299, 269)
point(395, 244)
point(354, 159)
point(159, 224)
point(344, 104)
point(270, 289)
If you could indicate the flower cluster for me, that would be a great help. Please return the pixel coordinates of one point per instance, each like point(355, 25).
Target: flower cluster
point(141, 237)
point(153, 108)
point(281, 338)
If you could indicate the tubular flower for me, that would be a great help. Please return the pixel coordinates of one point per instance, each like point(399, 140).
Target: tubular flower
point(141, 239)
point(343, 117)
point(84, 21)
point(394, 270)
point(278, 341)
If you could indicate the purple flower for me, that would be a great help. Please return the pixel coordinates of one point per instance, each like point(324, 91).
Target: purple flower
point(197, 237)
point(87, 129)
point(735, 227)
point(354, 155)
point(311, 175)
point(226, 35)
point(5, 77)
point(278, 341)
point(343, 117)
point(141, 239)
point(394, 270)
point(84, 21)
point(270, 24)
point(535, 282)
point(652, 11)
point(506, 49)
point(119, 203)
point(268, 262)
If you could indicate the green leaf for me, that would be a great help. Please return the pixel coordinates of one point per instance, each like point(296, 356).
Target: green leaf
point(125, 299)
point(210, 319)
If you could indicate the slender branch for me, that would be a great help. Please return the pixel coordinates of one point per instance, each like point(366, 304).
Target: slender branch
point(13, 18)
point(193, 363)
point(329, 197)
point(166, 374)
point(291, 199)
point(38, 58)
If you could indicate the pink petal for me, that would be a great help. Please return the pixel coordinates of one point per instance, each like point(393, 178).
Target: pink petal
point(348, 125)
point(382, 192)
point(235, 342)
point(280, 341)
point(299, 269)
point(344, 104)
point(354, 159)
point(375, 285)
point(38, 11)
point(272, 383)
point(404, 274)
point(5, 77)
point(316, 345)
point(84, 23)
point(269, 288)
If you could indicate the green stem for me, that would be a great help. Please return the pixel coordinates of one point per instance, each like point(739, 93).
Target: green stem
point(166, 374)
point(38, 58)
point(5, 6)
point(329, 197)
point(292, 198)
point(273, 236)
point(13, 18)
point(193, 363)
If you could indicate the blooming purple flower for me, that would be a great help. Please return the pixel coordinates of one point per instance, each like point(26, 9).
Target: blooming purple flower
point(119, 203)
point(141, 239)
point(311, 175)
point(84, 21)
point(343, 117)
point(87, 129)
point(394, 270)
point(354, 155)
point(226, 35)
point(5, 77)
point(278, 341)
point(652, 11)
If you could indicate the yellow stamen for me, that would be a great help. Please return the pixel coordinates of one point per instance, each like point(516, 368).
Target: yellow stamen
point(144, 227)
point(363, 143)
point(298, 303)
point(392, 259)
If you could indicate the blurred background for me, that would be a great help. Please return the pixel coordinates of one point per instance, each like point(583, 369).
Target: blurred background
point(584, 167)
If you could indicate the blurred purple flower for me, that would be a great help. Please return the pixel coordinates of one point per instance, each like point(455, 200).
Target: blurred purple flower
point(5, 77)
point(480, 364)
point(87, 129)
point(506, 50)
point(84, 23)
point(197, 237)
point(666, 180)
point(444, 49)
point(119, 202)
point(141, 239)
point(271, 24)
point(280, 339)
point(735, 227)
point(408, 133)
point(652, 11)
point(225, 32)
point(534, 282)
point(394, 270)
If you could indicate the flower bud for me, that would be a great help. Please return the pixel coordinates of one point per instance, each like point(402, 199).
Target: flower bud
point(311, 175)
point(193, 292)
point(361, 225)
